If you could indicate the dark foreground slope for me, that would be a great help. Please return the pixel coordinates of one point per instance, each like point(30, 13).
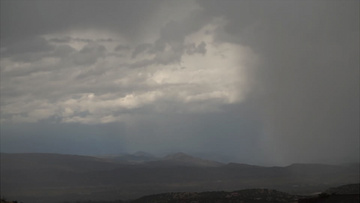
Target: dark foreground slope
point(40, 178)
point(344, 189)
point(249, 196)
point(343, 194)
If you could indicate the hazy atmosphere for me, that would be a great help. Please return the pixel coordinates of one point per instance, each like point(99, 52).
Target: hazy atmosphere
point(257, 82)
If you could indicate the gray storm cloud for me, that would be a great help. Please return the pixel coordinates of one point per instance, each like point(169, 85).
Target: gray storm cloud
point(309, 77)
point(87, 83)
point(266, 82)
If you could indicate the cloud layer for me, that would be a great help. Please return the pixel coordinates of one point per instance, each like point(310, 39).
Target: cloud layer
point(97, 80)
point(267, 82)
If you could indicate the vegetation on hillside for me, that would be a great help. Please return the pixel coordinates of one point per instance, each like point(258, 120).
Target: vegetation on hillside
point(249, 195)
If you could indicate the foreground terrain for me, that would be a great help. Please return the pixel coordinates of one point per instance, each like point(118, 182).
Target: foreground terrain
point(343, 194)
point(40, 178)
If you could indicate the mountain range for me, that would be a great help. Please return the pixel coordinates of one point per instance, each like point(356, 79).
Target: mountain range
point(51, 178)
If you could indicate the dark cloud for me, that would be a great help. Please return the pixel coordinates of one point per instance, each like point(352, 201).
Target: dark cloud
point(89, 54)
point(30, 49)
point(192, 48)
point(160, 88)
point(308, 84)
point(63, 138)
point(121, 47)
point(61, 40)
point(140, 49)
point(142, 63)
point(68, 39)
point(44, 17)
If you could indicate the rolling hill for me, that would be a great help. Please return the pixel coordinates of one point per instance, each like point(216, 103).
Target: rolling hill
point(54, 178)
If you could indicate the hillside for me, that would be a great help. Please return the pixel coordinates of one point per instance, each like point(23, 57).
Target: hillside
point(182, 159)
point(249, 196)
point(342, 194)
point(52, 178)
point(345, 189)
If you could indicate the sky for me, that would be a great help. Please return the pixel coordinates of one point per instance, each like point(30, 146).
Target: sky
point(257, 82)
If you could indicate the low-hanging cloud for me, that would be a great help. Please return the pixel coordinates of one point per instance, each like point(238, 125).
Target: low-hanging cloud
point(308, 82)
point(193, 70)
point(259, 81)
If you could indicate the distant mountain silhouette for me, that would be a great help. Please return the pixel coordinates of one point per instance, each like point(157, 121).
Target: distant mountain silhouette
point(238, 165)
point(54, 178)
point(143, 154)
point(182, 159)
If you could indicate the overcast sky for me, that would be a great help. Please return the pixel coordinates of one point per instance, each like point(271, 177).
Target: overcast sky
point(258, 82)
